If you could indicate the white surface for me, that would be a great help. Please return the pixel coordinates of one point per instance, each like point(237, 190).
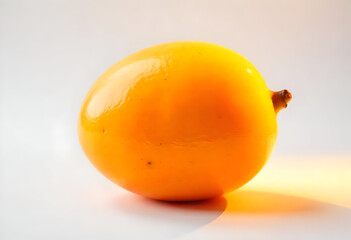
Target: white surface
point(52, 51)
point(69, 201)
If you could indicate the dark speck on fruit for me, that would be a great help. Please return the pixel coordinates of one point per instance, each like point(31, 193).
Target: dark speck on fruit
point(148, 163)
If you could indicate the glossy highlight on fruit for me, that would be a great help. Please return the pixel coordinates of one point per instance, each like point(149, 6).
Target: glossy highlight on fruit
point(180, 121)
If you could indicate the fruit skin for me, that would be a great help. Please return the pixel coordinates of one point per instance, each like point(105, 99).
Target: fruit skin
point(179, 121)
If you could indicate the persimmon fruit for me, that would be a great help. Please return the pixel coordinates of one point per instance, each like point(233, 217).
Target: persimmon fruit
point(180, 121)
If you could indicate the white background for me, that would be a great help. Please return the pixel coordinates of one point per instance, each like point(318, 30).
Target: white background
point(51, 52)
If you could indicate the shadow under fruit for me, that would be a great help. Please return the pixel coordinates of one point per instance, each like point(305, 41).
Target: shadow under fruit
point(180, 121)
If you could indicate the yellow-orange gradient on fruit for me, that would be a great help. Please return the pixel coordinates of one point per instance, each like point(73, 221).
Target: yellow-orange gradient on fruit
point(180, 121)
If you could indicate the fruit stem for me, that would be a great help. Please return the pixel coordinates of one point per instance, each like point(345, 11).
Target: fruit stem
point(280, 99)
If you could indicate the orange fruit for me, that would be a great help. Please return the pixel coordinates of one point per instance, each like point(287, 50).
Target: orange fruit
point(180, 121)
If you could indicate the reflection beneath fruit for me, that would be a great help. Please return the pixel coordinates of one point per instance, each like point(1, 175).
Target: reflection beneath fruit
point(174, 219)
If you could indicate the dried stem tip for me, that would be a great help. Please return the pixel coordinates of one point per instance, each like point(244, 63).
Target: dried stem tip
point(280, 99)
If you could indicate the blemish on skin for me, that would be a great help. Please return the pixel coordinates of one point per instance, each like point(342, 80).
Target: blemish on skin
point(103, 131)
point(160, 144)
point(148, 163)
